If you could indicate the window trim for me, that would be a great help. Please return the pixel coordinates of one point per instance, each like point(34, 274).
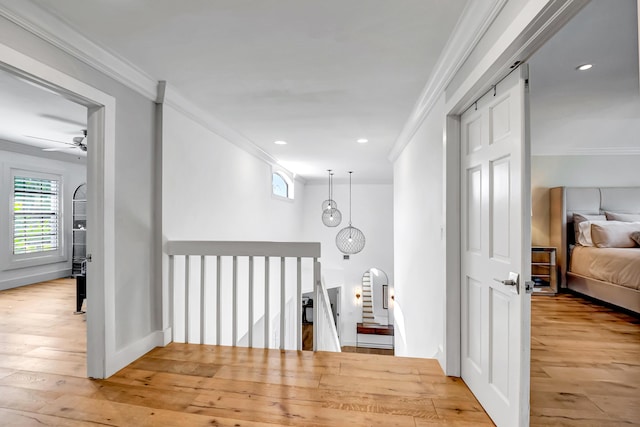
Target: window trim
point(288, 180)
point(15, 261)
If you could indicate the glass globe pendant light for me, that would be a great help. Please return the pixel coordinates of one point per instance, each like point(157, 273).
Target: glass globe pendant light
point(331, 216)
point(350, 240)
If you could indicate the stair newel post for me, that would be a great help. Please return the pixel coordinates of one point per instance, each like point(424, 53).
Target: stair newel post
point(316, 304)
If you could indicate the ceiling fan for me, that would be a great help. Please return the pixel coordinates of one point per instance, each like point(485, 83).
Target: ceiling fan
point(78, 142)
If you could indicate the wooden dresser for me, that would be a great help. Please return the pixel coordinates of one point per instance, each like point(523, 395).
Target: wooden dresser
point(374, 336)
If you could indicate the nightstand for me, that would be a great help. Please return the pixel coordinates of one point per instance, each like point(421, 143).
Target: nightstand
point(544, 270)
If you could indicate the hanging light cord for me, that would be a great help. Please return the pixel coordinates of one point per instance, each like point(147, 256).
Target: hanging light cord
point(332, 204)
point(350, 172)
point(329, 170)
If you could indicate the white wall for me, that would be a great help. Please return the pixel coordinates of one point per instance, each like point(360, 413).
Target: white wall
point(213, 190)
point(137, 285)
point(575, 171)
point(373, 215)
point(73, 174)
point(419, 248)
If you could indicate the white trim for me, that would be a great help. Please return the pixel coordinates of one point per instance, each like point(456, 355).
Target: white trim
point(451, 214)
point(101, 179)
point(136, 349)
point(167, 337)
point(34, 278)
point(476, 18)
point(57, 32)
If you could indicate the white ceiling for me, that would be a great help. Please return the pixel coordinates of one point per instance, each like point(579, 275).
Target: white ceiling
point(35, 116)
point(317, 74)
point(595, 111)
point(321, 74)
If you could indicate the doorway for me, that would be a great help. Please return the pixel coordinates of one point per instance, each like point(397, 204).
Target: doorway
point(101, 348)
point(517, 44)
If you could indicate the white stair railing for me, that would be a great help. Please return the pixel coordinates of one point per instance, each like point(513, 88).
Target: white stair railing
point(221, 291)
point(325, 334)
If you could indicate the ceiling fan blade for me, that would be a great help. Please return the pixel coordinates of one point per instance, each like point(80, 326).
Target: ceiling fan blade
point(50, 140)
point(59, 149)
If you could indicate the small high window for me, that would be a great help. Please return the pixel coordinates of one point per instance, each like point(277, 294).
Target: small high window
point(281, 185)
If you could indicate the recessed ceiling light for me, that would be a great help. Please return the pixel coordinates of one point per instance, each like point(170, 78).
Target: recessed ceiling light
point(280, 142)
point(363, 140)
point(584, 67)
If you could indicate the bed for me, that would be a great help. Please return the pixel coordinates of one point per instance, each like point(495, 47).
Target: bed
point(608, 274)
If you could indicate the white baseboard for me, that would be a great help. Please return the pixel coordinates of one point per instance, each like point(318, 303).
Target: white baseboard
point(166, 336)
point(134, 351)
point(441, 359)
point(34, 278)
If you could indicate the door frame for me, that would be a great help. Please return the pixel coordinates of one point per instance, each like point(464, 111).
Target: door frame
point(536, 23)
point(101, 326)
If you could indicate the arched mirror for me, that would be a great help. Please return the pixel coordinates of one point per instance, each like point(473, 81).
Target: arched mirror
point(375, 297)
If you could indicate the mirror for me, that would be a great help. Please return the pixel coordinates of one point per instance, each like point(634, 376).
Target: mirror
point(375, 297)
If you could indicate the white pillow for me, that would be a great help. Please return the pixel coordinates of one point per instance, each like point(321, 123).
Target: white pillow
point(614, 234)
point(584, 232)
point(580, 218)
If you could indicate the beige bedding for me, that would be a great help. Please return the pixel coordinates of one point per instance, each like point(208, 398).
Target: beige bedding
point(620, 266)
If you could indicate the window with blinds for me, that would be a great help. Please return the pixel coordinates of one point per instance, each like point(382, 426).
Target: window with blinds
point(36, 214)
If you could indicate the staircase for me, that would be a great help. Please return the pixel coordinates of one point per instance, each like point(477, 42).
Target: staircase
point(367, 300)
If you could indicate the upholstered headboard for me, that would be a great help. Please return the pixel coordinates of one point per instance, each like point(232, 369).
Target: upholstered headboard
point(565, 201)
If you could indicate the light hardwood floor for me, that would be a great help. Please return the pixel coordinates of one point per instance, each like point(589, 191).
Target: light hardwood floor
point(585, 371)
point(585, 364)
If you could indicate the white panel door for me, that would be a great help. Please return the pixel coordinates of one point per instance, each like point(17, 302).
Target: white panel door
point(495, 235)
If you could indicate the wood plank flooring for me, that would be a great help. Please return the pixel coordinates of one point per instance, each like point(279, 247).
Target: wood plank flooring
point(585, 371)
point(585, 364)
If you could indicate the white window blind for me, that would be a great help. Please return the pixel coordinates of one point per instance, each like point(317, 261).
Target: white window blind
point(36, 214)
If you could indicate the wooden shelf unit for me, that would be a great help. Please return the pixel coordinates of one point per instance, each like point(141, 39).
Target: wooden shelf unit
point(544, 270)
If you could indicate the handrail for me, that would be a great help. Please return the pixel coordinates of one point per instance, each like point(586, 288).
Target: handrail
point(199, 304)
point(234, 248)
point(327, 339)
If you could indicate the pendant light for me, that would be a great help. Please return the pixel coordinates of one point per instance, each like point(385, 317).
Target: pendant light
point(350, 240)
point(331, 216)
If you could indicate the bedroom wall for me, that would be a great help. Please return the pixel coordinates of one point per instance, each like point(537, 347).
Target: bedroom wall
point(137, 284)
point(574, 171)
point(373, 215)
point(73, 174)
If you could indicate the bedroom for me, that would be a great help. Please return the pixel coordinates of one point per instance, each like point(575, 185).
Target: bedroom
point(584, 133)
point(585, 124)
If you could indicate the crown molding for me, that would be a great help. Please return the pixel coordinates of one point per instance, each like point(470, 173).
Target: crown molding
point(55, 31)
point(60, 34)
point(476, 18)
point(584, 151)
